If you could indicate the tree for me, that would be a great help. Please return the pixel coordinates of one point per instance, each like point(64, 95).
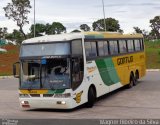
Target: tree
point(144, 32)
point(137, 29)
point(55, 28)
point(18, 11)
point(16, 36)
point(40, 28)
point(48, 29)
point(58, 28)
point(111, 25)
point(3, 32)
point(85, 27)
point(155, 25)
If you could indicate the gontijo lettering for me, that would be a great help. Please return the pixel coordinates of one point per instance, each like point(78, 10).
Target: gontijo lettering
point(124, 60)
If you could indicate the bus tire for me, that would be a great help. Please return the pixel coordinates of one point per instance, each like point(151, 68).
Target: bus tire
point(136, 77)
point(132, 81)
point(91, 97)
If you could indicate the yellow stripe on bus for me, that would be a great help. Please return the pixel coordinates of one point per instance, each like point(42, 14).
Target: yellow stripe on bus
point(33, 91)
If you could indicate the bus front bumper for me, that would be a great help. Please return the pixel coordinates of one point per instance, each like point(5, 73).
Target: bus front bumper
point(46, 103)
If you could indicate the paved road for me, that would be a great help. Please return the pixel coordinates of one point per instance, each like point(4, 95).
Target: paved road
point(142, 101)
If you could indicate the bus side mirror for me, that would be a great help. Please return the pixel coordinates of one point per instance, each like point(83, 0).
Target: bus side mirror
point(16, 69)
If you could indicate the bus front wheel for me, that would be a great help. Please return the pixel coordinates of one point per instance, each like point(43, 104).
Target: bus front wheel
point(91, 97)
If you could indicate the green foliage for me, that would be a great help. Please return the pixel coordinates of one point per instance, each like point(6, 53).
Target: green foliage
point(155, 25)
point(111, 25)
point(16, 36)
point(54, 28)
point(152, 54)
point(18, 11)
point(137, 29)
point(3, 32)
point(57, 28)
point(39, 29)
point(85, 27)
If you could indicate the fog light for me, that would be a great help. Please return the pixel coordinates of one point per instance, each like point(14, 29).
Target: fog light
point(61, 102)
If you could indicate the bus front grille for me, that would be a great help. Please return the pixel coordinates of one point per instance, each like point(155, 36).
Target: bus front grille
point(47, 95)
point(35, 95)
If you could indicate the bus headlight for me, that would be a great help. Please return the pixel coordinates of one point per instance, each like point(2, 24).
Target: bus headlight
point(66, 95)
point(23, 95)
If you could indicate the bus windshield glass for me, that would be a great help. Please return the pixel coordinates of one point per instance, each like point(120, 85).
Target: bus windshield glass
point(46, 74)
point(47, 49)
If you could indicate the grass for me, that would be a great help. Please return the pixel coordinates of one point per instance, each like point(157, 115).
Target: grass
point(153, 54)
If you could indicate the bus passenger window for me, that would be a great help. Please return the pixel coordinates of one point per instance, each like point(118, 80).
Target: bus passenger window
point(101, 48)
point(130, 45)
point(87, 48)
point(137, 45)
point(113, 47)
point(91, 49)
point(106, 48)
point(122, 46)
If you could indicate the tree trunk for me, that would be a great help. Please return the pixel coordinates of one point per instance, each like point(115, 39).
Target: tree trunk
point(21, 30)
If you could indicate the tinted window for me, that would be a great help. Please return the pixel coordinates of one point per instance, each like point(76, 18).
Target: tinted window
point(94, 49)
point(105, 48)
point(113, 47)
point(87, 48)
point(101, 48)
point(91, 50)
point(130, 45)
point(122, 46)
point(137, 45)
point(77, 47)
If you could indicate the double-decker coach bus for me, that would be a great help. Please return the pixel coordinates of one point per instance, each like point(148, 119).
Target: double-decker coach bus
point(67, 70)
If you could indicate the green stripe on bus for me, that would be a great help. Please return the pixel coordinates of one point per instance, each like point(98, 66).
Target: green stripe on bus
point(56, 91)
point(107, 71)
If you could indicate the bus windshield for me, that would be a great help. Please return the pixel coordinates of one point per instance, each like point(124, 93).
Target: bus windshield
point(46, 74)
point(47, 49)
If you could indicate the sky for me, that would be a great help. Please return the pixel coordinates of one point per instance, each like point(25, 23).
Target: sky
point(73, 13)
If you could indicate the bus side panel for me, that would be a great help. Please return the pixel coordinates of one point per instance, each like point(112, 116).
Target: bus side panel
point(108, 73)
point(129, 63)
point(94, 77)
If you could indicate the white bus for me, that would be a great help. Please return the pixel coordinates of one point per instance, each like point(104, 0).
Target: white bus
point(67, 70)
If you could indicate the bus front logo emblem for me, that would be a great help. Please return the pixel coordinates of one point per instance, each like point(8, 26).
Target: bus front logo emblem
point(78, 97)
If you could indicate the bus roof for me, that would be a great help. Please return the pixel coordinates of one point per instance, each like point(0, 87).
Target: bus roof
point(110, 35)
point(54, 38)
point(87, 35)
